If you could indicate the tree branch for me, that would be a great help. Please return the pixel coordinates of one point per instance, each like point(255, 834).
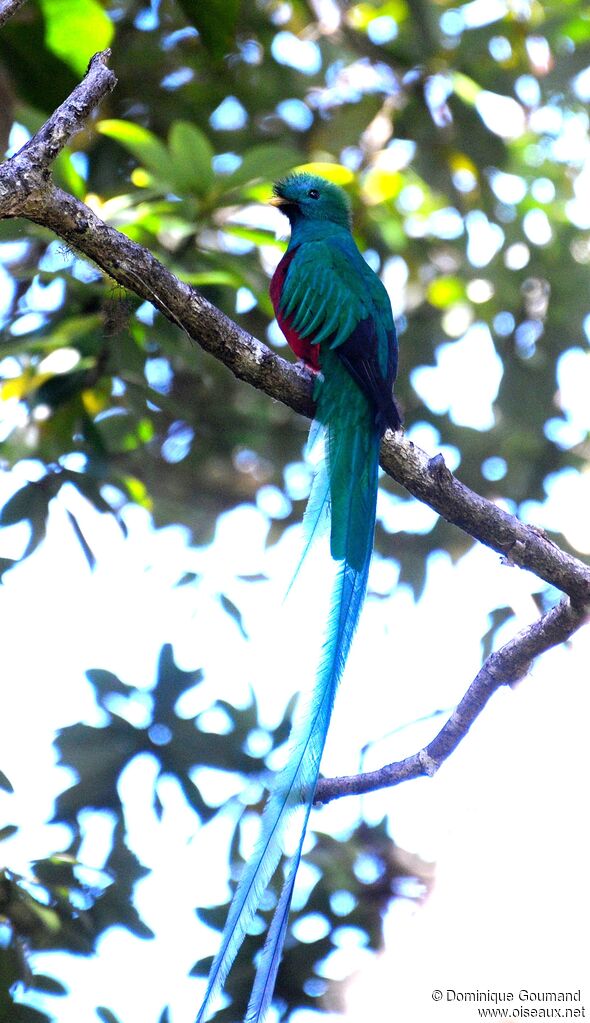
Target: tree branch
point(507, 665)
point(429, 480)
point(26, 190)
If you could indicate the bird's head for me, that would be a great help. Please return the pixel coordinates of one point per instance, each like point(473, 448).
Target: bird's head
point(309, 197)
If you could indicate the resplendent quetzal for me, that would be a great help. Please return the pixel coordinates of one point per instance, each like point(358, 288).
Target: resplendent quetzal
point(336, 316)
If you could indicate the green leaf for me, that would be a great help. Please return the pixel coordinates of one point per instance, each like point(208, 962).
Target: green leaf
point(86, 548)
point(194, 798)
point(30, 503)
point(25, 1014)
point(346, 124)
point(146, 147)
point(243, 719)
point(106, 683)
point(191, 154)
point(465, 87)
point(98, 755)
point(61, 388)
point(49, 985)
point(106, 1016)
point(262, 163)
point(445, 291)
point(212, 278)
point(114, 906)
point(75, 30)
point(214, 917)
point(215, 21)
point(7, 831)
point(41, 82)
point(202, 966)
point(67, 176)
point(283, 729)
point(56, 871)
point(578, 29)
point(187, 579)
point(5, 783)
point(172, 680)
point(122, 432)
point(18, 507)
point(91, 490)
point(234, 612)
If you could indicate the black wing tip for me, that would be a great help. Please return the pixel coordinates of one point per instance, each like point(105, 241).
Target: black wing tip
point(389, 417)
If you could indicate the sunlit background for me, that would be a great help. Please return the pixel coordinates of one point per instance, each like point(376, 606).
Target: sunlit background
point(161, 500)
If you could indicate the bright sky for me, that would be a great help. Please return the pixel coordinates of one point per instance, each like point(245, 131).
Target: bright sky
point(504, 820)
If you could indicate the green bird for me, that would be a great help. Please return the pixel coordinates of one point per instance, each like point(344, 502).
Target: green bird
point(336, 316)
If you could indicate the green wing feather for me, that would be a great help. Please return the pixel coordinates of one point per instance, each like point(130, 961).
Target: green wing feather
point(329, 289)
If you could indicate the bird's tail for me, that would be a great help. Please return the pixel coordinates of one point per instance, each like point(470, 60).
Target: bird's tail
point(348, 480)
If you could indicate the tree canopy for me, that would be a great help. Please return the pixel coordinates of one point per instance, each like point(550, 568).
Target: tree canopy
point(461, 133)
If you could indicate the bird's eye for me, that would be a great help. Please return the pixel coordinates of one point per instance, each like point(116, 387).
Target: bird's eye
point(313, 193)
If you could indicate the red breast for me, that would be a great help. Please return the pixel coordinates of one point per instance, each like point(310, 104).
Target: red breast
point(301, 346)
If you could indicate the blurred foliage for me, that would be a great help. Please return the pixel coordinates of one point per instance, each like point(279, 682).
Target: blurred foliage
point(356, 884)
point(65, 905)
point(461, 133)
point(61, 906)
point(455, 131)
point(357, 881)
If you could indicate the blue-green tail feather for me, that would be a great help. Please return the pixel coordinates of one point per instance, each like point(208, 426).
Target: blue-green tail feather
point(317, 514)
point(348, 598)
point(350, 488)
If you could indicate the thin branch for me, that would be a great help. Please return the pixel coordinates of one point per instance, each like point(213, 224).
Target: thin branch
point(8, 8)
point(26, 190)
point(71, 116)
point(27, 172)
point(503, 667)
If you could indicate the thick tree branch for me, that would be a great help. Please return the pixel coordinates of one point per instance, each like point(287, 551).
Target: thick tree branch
point(29, 168)
point(138, 270)
point(430, 481)
point(506, 665)
point(26, 190)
